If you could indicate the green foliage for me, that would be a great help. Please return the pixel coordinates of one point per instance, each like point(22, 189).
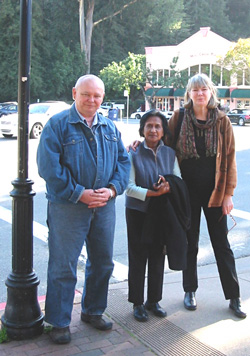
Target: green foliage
point(3, 335)
point(237, 59)
point(238, 13)
point(128, 74)
point(47, 329)
point(9, 40)
point(56, 58)
point(145, 23)
point(203, 13)
point(131, 74)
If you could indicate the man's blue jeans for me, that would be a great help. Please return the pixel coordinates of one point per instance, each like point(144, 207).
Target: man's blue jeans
point(70, 226)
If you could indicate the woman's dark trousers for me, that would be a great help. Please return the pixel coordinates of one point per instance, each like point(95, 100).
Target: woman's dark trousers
point(140, 254)
point(217, 229)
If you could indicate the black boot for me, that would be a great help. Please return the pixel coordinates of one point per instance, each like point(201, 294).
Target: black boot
point(236, 307)
point(190, 301)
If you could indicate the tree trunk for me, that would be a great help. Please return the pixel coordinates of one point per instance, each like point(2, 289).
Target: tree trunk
point(86, 25)
point(86, 29)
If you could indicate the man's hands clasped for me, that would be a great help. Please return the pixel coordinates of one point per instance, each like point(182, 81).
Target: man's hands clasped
point(97, 198)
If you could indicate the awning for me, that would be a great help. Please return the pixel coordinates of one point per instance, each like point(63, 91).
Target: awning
point(240, 93)
point(223, 93)
point(161, 92)
point(179, 92)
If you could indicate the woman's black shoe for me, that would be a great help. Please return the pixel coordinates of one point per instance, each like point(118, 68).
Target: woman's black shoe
point(236, 307)
point(140, 313)
point(190, 301)
point(156, 309)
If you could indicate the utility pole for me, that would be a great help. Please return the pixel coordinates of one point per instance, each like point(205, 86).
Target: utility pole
point(22, 317)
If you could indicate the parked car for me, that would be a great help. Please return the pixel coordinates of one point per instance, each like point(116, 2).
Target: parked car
point(138, 114)
point(104, 110)
point(39, 114)
point(112, 104)
point(8, 108)
point(168, 114)
point(239, 116)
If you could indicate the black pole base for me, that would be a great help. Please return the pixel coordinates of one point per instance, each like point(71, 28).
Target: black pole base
point(22, 318)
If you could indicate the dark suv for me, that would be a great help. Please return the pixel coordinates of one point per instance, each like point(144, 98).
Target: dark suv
point(239, 116)
point(8, 108)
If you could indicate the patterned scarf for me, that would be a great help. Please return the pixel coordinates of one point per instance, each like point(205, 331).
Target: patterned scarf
point(186, 142)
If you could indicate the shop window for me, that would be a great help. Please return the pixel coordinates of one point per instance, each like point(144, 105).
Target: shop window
point(194, 70)
point(239, 104)
point(184, 76)
point(172, 73)
point(225, 77)
point(160, 73)
point(153, 77)
point(216, 73)
point(247, 77)
point(205, 68)
point(239, 77)
point(166, 74)
point(160, 77)
point(165, 104)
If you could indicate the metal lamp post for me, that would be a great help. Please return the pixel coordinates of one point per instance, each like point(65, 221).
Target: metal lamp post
point(22, 317)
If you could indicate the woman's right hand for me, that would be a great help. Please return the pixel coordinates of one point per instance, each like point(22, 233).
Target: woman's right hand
point(133, 145)
point(163, 187)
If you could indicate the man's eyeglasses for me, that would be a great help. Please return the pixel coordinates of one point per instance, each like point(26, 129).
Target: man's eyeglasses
point(233, 220)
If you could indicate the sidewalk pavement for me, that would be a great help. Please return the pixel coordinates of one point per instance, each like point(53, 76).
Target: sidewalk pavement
point(211, 330)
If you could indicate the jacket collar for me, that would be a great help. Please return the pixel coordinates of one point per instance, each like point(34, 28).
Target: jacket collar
point(74, 118)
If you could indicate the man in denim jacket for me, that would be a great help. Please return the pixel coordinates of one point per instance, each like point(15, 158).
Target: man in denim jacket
point(85, 165)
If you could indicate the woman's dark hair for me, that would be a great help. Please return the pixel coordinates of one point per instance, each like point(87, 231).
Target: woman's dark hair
point(149, 114)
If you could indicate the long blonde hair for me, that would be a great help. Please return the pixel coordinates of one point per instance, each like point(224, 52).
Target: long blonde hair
point(198, 81)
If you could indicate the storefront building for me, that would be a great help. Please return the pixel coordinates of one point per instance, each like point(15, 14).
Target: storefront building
point(199, 53)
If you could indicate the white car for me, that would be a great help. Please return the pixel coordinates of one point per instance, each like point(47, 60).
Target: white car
point(104, 110)
point(168, 114)
point(138, 114)
point(39, 114)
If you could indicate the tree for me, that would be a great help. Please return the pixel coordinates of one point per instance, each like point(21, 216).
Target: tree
point(131, 74)
point(9, 46)
point(238, 13)
point(203, 13)
point(86, 22)
point(237, 59)
point(146, 23)
point(54, 68)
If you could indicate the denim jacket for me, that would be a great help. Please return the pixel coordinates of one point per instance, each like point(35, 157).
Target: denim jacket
point(72, 158)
